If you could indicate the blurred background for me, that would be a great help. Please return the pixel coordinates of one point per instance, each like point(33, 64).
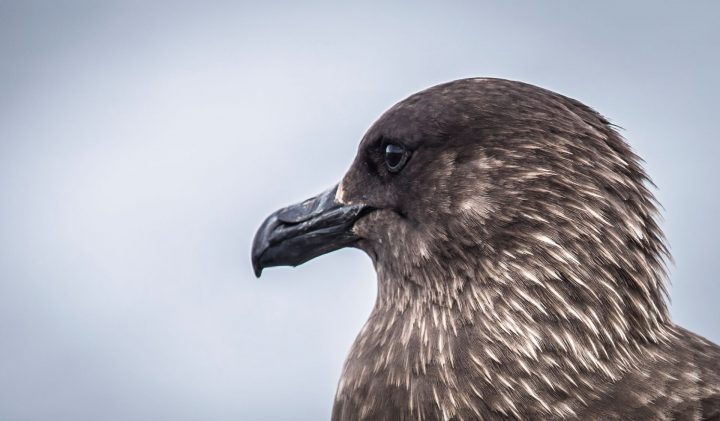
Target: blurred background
point(142, 143)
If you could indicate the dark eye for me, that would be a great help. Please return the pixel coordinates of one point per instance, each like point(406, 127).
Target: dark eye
point(395, 157)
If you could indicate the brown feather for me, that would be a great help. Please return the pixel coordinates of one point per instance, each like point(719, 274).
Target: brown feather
point(521, 269)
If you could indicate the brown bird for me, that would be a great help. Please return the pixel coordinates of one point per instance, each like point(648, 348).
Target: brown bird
point(521, 270)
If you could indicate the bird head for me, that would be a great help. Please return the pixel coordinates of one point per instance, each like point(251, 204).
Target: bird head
point(497, 191)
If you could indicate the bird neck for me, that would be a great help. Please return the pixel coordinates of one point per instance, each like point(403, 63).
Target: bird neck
point(515, 310)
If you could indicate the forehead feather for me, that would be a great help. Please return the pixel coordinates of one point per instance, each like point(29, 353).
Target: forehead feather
point(446, 111)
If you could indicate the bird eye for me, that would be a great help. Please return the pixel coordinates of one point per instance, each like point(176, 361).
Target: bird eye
point(395, 157)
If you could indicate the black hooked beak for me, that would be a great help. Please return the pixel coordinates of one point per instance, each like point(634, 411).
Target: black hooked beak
point(304, 231)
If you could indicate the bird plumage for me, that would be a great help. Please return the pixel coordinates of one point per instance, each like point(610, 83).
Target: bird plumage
point(521, 269)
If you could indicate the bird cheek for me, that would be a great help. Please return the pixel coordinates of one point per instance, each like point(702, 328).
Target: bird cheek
point(376, 226)
point(365, 227)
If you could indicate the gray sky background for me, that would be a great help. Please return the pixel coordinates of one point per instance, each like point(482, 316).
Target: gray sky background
point(142, 144)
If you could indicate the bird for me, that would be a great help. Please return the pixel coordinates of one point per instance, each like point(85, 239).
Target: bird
point(521, 269)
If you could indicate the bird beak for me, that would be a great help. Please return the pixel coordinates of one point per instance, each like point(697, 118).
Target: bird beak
point(293, 235)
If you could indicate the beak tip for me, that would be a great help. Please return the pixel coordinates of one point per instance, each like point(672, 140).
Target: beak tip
point(260, 245)
point(256, 265)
